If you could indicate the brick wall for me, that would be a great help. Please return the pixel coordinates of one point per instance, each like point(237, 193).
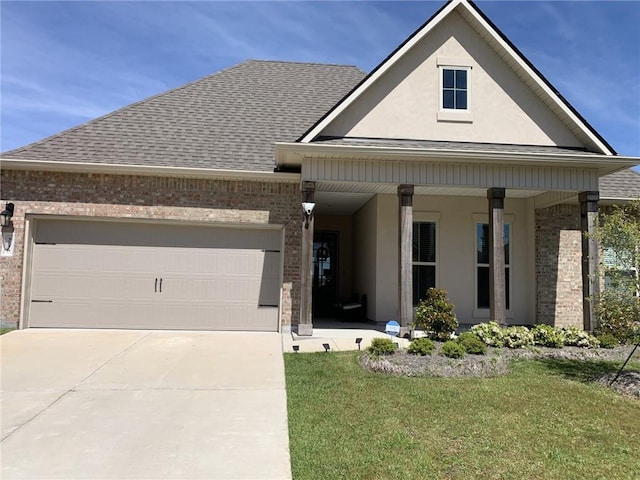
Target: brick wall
point(149, 197)
point(559, 266)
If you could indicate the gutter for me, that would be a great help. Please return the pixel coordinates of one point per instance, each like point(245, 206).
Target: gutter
point(150, 170)
point(292, 154)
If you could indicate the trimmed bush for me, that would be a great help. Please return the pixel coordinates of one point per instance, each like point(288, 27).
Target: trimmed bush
point(472, 343)
point(517, 337)
point(453, 349)
point(436, 315)
point(576, 337)
point(490, 333)
point(607, 340)
point(382, 346)
point(421, 346)
point(548, 336)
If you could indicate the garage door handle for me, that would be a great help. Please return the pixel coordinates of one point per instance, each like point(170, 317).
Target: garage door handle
point(160, 285)
point(155, 287)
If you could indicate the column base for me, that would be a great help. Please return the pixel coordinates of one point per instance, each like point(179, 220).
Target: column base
point(305, 329)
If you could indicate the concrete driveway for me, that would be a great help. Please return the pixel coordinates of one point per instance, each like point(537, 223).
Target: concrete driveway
point(96, 404)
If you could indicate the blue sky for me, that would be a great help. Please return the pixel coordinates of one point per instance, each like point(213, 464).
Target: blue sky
point(64, 63)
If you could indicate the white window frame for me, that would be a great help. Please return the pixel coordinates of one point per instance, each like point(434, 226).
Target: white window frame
point(483, 219)
point(428, 217)
point(451, 114)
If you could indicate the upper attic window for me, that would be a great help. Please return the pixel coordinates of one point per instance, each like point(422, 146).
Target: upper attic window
point(455, 92)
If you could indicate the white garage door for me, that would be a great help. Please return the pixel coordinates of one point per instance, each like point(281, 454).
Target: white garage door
point(90, 274)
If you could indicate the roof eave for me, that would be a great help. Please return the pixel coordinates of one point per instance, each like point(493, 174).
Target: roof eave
point(291, 155)
point(146, 170)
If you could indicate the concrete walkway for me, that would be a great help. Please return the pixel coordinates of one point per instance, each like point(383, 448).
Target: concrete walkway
point(136, 404)
point(339, 335)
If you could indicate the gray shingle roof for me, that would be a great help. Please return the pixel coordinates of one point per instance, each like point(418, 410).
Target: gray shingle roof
point(622, 185)
point(446, 145)
point(228, 120)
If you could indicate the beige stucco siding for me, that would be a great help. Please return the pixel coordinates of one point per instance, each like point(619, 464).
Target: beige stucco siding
point(404, 102)
point(365, 222)
point(455, 270)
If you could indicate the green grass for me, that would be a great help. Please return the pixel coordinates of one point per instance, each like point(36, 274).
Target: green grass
point(543, 421)
point(4, 330)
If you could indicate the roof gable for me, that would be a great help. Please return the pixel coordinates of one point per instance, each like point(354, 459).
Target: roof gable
point(228, 120)
point(511, 102)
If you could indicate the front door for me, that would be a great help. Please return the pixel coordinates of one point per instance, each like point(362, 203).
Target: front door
point(325, 272)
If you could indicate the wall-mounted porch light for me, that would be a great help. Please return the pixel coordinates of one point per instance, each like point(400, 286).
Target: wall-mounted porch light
point(7, 230)
point(307, 211)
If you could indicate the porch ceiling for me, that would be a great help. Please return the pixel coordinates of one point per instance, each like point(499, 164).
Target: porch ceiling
point(343, 198)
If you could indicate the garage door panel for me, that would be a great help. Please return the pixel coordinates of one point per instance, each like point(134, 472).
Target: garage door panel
point(155, 276)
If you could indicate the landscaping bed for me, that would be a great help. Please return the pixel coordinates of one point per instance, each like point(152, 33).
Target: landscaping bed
point(497, 362)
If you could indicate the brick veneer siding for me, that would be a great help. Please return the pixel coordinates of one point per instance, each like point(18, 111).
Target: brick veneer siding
point(149, 197)
point(559, 266)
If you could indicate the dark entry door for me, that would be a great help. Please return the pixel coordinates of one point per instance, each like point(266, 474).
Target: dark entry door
point(325, 272)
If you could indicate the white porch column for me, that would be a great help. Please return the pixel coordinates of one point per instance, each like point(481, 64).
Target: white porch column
point(497, 287)
point(405, 252)
point(590, 261)
point(305, 325)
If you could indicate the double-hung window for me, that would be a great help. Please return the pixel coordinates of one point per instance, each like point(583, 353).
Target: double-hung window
point(482, 264)
point(424, 259)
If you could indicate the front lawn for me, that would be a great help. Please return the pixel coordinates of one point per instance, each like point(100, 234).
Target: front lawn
point(543, 421)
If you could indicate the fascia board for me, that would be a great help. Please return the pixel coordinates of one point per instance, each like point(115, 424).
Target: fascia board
point(151, 170)
point(379, 71)
point(291, 154)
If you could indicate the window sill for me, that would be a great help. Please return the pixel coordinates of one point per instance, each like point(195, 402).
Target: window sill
point(455, 116)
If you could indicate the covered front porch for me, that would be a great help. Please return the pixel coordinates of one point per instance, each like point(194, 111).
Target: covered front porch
point(406, 219)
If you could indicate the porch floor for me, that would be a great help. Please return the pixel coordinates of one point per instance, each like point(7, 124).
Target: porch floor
point(340, 335)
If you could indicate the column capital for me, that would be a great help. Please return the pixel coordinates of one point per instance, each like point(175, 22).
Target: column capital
point(589, 196)
point(307, 186)
point(405, 192)
point(308, 191)
point(496, 192)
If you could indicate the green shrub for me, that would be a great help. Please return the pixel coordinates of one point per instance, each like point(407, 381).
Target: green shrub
point(607, 340)
point(490, 333)
point(472, 343)
point(619, 315)
point(453, 349)
point(548, 336)
point(382, 346)
point(576, 337)
point(421, 346)
point(517, 337)
point(436, 315)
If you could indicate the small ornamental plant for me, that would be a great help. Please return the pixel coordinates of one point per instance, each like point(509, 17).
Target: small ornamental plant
point(436, 315)
point(453, 349)
point(517, 337)
point(576, 337)
point(548, 336)
point(471, 343)
point(490, 333)
point(382, 346)
point(607, 340)
point(421, 346)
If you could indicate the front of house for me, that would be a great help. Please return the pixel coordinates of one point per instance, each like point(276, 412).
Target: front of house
point(453, 164)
